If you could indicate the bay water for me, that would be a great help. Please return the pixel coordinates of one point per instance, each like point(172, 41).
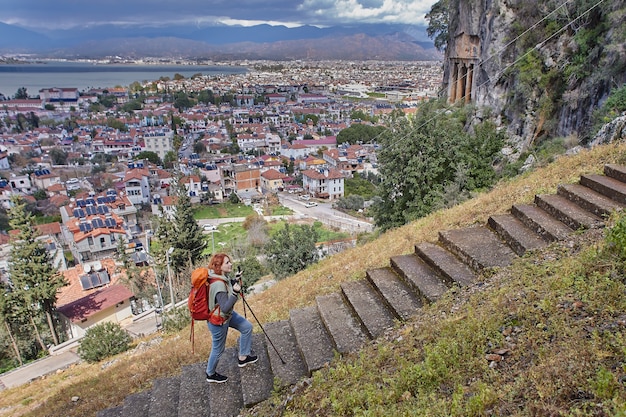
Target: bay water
point(83, 75)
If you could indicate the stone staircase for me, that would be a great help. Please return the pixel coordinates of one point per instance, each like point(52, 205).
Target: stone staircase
point(363, 310)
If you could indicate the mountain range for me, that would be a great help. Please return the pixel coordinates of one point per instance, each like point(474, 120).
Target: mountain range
point(358, 42)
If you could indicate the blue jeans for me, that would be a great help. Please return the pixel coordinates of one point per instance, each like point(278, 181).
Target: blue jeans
point(219, 333)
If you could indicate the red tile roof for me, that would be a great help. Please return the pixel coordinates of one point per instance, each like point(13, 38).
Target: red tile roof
point(95, 302)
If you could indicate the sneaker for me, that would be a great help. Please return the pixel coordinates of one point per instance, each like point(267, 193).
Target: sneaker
point(216, 378)
point(249, 359)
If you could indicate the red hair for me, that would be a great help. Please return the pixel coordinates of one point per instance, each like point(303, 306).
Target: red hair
point(216, 262)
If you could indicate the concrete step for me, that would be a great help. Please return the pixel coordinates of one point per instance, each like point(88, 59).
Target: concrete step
point(282, 336)
point(536, 219)
point(515, 233)
point(110, 412)
point(164, 397)
point(610, 187)
point(419, 276)
point(448, 266)
point(615, 171)
point(193, 399)
point(136, 405)
point(398, 296)
point(345, 329)
point(568, 212)
point(478, 247)
point(226, 399)
point(590, 200)
point(369, 307)
point(257, 380)
point(312, 338)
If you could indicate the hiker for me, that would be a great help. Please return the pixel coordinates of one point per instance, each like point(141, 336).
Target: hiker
point(224, 292)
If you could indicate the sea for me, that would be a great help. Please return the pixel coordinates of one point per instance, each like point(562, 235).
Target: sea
point(84, 75)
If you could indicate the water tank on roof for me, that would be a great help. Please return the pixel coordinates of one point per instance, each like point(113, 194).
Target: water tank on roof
point(97, 266)
point(87, 268)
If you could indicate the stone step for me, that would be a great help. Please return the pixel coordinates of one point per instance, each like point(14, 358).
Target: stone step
point(257, 380)
point(314, 342)
point(615, 171)
point(369, 307)
point(448, 266)
point(226, 399)
point(397, 295)
point(419, 276)
point(536, 219)
point(568, 212)
point(590, 200)
point(515, 233)
point(193, 399)
point(610, 187)
point(137, 404)
point(164, 397)
point(478, 247)
point(110, 412)
point(345, 329)
point(282, 336)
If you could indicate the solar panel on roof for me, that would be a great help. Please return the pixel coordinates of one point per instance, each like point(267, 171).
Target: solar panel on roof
point(91, 201)
point(104, 277)
point(81, 213)
point(110, 222)
point(100, 200)
point(91, 210)
point(95, 280)
point(81, 203)
point(87, 227)
point(81, 227)
point(85, 282)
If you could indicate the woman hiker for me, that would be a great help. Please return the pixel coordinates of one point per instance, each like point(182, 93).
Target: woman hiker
point(224, 293)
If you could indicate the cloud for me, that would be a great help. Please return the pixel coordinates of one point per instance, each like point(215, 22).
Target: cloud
point(41, 14)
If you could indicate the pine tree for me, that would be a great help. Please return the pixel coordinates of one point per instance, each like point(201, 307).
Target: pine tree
point(188, 240)
point(34, 281)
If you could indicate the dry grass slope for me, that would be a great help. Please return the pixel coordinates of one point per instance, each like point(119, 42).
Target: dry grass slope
point(100, 386)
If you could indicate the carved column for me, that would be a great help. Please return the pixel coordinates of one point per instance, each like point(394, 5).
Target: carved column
point(454, 75)
point(468, 83)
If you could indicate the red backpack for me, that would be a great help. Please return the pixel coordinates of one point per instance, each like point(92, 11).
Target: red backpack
point(198, 301)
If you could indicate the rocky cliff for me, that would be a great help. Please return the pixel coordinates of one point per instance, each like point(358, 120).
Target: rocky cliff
point(542, 67)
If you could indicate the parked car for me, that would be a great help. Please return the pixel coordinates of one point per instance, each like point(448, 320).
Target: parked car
point(310, 204)
point(305, 197)
point(209, 227)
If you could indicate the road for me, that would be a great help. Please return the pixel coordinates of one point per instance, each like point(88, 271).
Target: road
point(325, 213)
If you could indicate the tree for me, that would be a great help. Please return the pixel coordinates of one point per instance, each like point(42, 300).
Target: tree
point(292, 249)
point(431, 162)
point(58, 156)
point(34, 280)
point(438, 23)
point(189, 241)
point(151, 156)
point(21, 94)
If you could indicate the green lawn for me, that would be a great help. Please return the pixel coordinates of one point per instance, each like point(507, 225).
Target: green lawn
point(222, 210)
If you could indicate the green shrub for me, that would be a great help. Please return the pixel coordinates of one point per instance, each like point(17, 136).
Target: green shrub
point(176, 319)
point(616, 236)
point(102, 341)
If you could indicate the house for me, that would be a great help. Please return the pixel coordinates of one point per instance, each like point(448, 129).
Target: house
point(327, 183)
point(164, 206)
point(21, 184)
point(272, 180)
point(193, 187)
point(44, 179)
point(93, 295)
point(137, 185)
point(4, 161)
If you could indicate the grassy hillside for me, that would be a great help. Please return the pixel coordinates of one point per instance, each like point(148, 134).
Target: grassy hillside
point(554, 322)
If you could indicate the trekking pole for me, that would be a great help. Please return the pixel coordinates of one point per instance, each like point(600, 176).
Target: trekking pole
point(245, 303)
point(241, 285)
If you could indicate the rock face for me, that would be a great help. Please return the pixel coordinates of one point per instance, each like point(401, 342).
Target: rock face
point(541, 67)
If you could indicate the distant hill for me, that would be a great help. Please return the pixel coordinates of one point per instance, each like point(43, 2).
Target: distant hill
point(390, 42)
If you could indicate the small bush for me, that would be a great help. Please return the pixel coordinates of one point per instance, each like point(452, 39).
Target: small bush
point(103, 340)
point(176, 319)
point(616, 236)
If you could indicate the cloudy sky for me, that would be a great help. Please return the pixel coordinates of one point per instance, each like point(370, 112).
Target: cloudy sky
point(69, 13)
